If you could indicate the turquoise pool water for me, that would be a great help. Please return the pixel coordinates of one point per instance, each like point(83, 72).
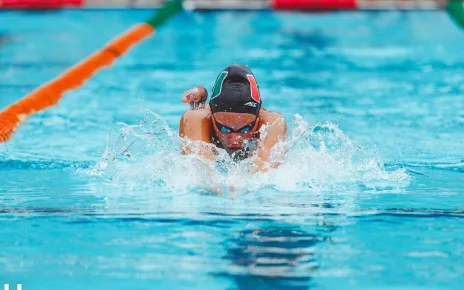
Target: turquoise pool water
point(371, 196)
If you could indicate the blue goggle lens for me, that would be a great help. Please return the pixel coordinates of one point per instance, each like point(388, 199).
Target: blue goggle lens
point(225, 130)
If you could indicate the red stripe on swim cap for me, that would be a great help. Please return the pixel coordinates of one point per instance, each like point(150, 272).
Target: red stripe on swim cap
point(254, 89)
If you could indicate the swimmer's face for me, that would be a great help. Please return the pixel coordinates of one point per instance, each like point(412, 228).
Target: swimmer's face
point(234, 128)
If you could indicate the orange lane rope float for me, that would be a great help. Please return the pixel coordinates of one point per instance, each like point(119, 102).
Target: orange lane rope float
point(51, 93)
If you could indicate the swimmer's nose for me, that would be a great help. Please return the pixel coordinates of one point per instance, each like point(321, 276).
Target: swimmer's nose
point(236, 140)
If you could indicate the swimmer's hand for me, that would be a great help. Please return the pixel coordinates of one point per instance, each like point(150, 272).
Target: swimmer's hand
point(196, 97)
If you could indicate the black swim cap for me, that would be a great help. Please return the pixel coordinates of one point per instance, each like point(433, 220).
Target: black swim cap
point(236, 91)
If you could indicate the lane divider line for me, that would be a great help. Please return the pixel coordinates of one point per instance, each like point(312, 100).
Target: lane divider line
point(50, 93)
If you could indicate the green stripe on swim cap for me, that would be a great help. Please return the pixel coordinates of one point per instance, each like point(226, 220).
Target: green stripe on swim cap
point(217, 89)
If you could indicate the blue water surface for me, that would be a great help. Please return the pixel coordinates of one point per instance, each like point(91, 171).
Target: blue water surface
point(391, 84)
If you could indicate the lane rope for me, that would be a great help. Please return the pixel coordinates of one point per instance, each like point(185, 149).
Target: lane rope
point(50, 93)
point(455, 9)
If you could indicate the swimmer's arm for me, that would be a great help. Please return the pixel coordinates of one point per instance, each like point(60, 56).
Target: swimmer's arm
point(276, 132)
point(196, 126)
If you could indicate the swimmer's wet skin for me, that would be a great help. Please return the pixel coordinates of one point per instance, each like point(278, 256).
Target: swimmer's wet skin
point(232, 120)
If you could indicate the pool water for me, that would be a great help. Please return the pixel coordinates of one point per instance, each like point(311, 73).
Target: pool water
point(94, 192)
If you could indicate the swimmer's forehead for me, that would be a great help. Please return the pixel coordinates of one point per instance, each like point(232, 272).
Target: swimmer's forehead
point(234, 121)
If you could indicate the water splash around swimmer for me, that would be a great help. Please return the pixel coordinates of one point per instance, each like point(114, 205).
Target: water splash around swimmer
point(320, 158)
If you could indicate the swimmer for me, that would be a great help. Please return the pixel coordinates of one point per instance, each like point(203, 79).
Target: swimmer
point(233, 120)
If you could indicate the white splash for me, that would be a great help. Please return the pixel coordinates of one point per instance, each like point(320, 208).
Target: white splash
point(320, 158)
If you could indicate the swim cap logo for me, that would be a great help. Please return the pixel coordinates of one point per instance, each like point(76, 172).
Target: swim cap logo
point(254, 88)
point(217, 89)
point(251, 104)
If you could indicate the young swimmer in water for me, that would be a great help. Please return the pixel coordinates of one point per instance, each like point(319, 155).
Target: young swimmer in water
point(233, 120)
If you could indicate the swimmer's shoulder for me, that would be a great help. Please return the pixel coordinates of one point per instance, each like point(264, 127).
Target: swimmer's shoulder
point(197, 125)
point(269, 117)
point(197, 115)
